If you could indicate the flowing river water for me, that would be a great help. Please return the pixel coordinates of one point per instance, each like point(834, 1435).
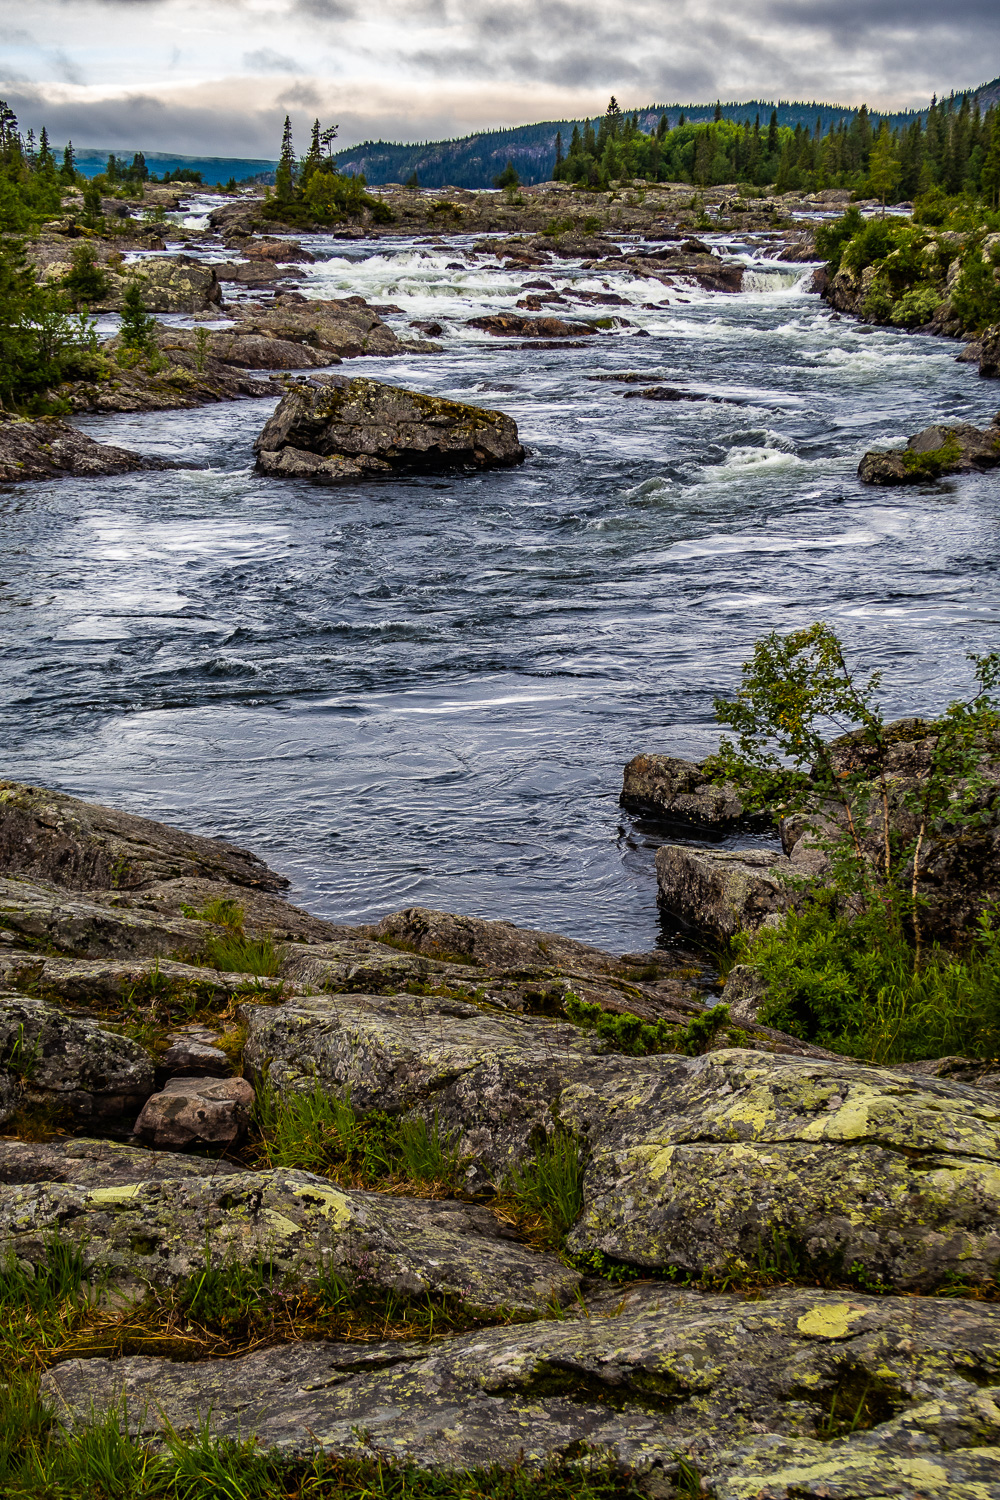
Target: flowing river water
point(424, 691)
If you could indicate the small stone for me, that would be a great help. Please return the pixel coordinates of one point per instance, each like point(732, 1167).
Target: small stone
point(196, 1112)
point(195, 1054)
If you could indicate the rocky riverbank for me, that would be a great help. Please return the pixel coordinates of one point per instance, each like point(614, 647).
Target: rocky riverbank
point(136, 999)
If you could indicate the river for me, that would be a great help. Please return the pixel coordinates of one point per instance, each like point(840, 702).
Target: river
point(425, 691)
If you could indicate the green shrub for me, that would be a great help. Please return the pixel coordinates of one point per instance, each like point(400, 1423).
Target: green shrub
point(630, 1034)
point(850, 986)
point(916, 307)
point(86, 281)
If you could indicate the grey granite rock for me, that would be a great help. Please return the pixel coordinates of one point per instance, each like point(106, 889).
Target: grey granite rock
point(196, 1112)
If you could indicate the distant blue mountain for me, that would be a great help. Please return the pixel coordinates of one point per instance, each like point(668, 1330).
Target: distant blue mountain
point(213, 169)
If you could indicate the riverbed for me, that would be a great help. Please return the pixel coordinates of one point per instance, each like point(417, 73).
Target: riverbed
point(424, 691)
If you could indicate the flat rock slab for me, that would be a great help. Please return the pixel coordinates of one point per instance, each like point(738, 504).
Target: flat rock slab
point(709, 1163)
point(41, 916)
point(745, 1390)
point(99, 1164)
point(192, 1112)
point(341, 429)
point(48, 449)
point(77, 844)
point(70, 1061)
point(489, 1078)
point(156, 1231)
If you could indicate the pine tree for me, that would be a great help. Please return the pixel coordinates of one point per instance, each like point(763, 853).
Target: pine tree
point(284, 177)
point(46, 161)
point(613, 117)
point(67, 171)
point(662, 127)
point(990, 179)
point(559, 150)
point(772, 134)
point(413, 181)
point(137, 327)
point(718, 111)
point(310, 162)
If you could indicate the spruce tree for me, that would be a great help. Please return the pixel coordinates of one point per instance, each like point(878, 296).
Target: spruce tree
point(559, 151)
point(137, 327)
point(883, 168)
point(772, 134)
point(67, 171)
point(284, 177)
point(312, 158)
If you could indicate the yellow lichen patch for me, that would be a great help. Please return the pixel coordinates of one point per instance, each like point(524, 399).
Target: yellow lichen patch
point(832, 1321)
point(280, 1224)
point(332, 1205)
point(116, 1194)
point(851, 1122)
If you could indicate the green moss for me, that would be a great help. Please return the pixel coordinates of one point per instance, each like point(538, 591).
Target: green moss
point(937, 461)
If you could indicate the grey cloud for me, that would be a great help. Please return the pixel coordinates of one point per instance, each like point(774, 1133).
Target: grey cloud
point(264, 60)
point(65, 67)
point(301, 96)
point(326, 10)
point(16, 36)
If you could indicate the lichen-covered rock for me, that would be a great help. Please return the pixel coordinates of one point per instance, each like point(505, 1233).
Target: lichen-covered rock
point(196, 1112)
point(82, 845)
point(709, 1162)
point(296, 1223)
point(100, 1163)
point(723, 892)
point(339, 429)
point(443, 935)
point(939, 450)
point(46, 449)
point(171, 284)
point(512, 325)
point(46, 917)
point(750, 1392)
point(489, 1079)
point(70, 1061)
point(678, 790)
point(344, 326)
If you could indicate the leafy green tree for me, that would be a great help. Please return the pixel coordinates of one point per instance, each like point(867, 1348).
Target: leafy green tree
point(884, 169)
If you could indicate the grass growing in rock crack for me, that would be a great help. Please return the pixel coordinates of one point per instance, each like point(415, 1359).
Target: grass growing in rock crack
point(51, 1312)
point(543, 1196)
point(232, 951)
point(320, 1133)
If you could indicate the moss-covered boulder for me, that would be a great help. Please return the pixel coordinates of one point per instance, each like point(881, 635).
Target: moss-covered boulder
point(937, 451)
point(333, 429)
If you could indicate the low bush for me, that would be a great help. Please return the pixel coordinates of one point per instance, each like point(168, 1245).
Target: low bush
point(851, 986)
point(630, 1034)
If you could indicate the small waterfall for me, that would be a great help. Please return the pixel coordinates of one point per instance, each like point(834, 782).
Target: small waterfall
point(772, 281)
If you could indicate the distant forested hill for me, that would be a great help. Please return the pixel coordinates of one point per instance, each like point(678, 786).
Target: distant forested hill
point(474, 160)
point(213, 169)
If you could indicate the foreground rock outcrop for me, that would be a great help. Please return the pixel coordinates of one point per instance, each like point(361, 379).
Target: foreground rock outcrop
point(937, 451)
point(339, 430)
point(679, 790)
point(47, 449)
point(798, 1394)
point(704, 1161)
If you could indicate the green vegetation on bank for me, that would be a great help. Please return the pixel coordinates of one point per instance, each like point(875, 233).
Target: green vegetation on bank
point(312, 192)
point(857, 968)
point(957, 151)
point(942, 263)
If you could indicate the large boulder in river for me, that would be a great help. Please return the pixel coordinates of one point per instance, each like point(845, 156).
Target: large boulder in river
point(938, 450)
point(338, 430)
point(679, 791)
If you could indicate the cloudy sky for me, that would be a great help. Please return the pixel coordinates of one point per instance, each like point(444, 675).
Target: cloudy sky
point(217, 76)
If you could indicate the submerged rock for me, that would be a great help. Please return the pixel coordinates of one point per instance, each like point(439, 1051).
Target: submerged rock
point(803, 1393)
point(510, 325)
point(352, 429)
point(47, 449)
point(938, 450)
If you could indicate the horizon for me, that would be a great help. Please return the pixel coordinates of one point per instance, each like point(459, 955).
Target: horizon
point(127, 71)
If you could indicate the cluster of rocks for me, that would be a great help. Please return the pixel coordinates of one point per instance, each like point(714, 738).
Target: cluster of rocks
point(692, 1165)
point(719, 893)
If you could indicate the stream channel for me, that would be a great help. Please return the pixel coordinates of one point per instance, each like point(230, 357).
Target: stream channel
point(425, 691)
